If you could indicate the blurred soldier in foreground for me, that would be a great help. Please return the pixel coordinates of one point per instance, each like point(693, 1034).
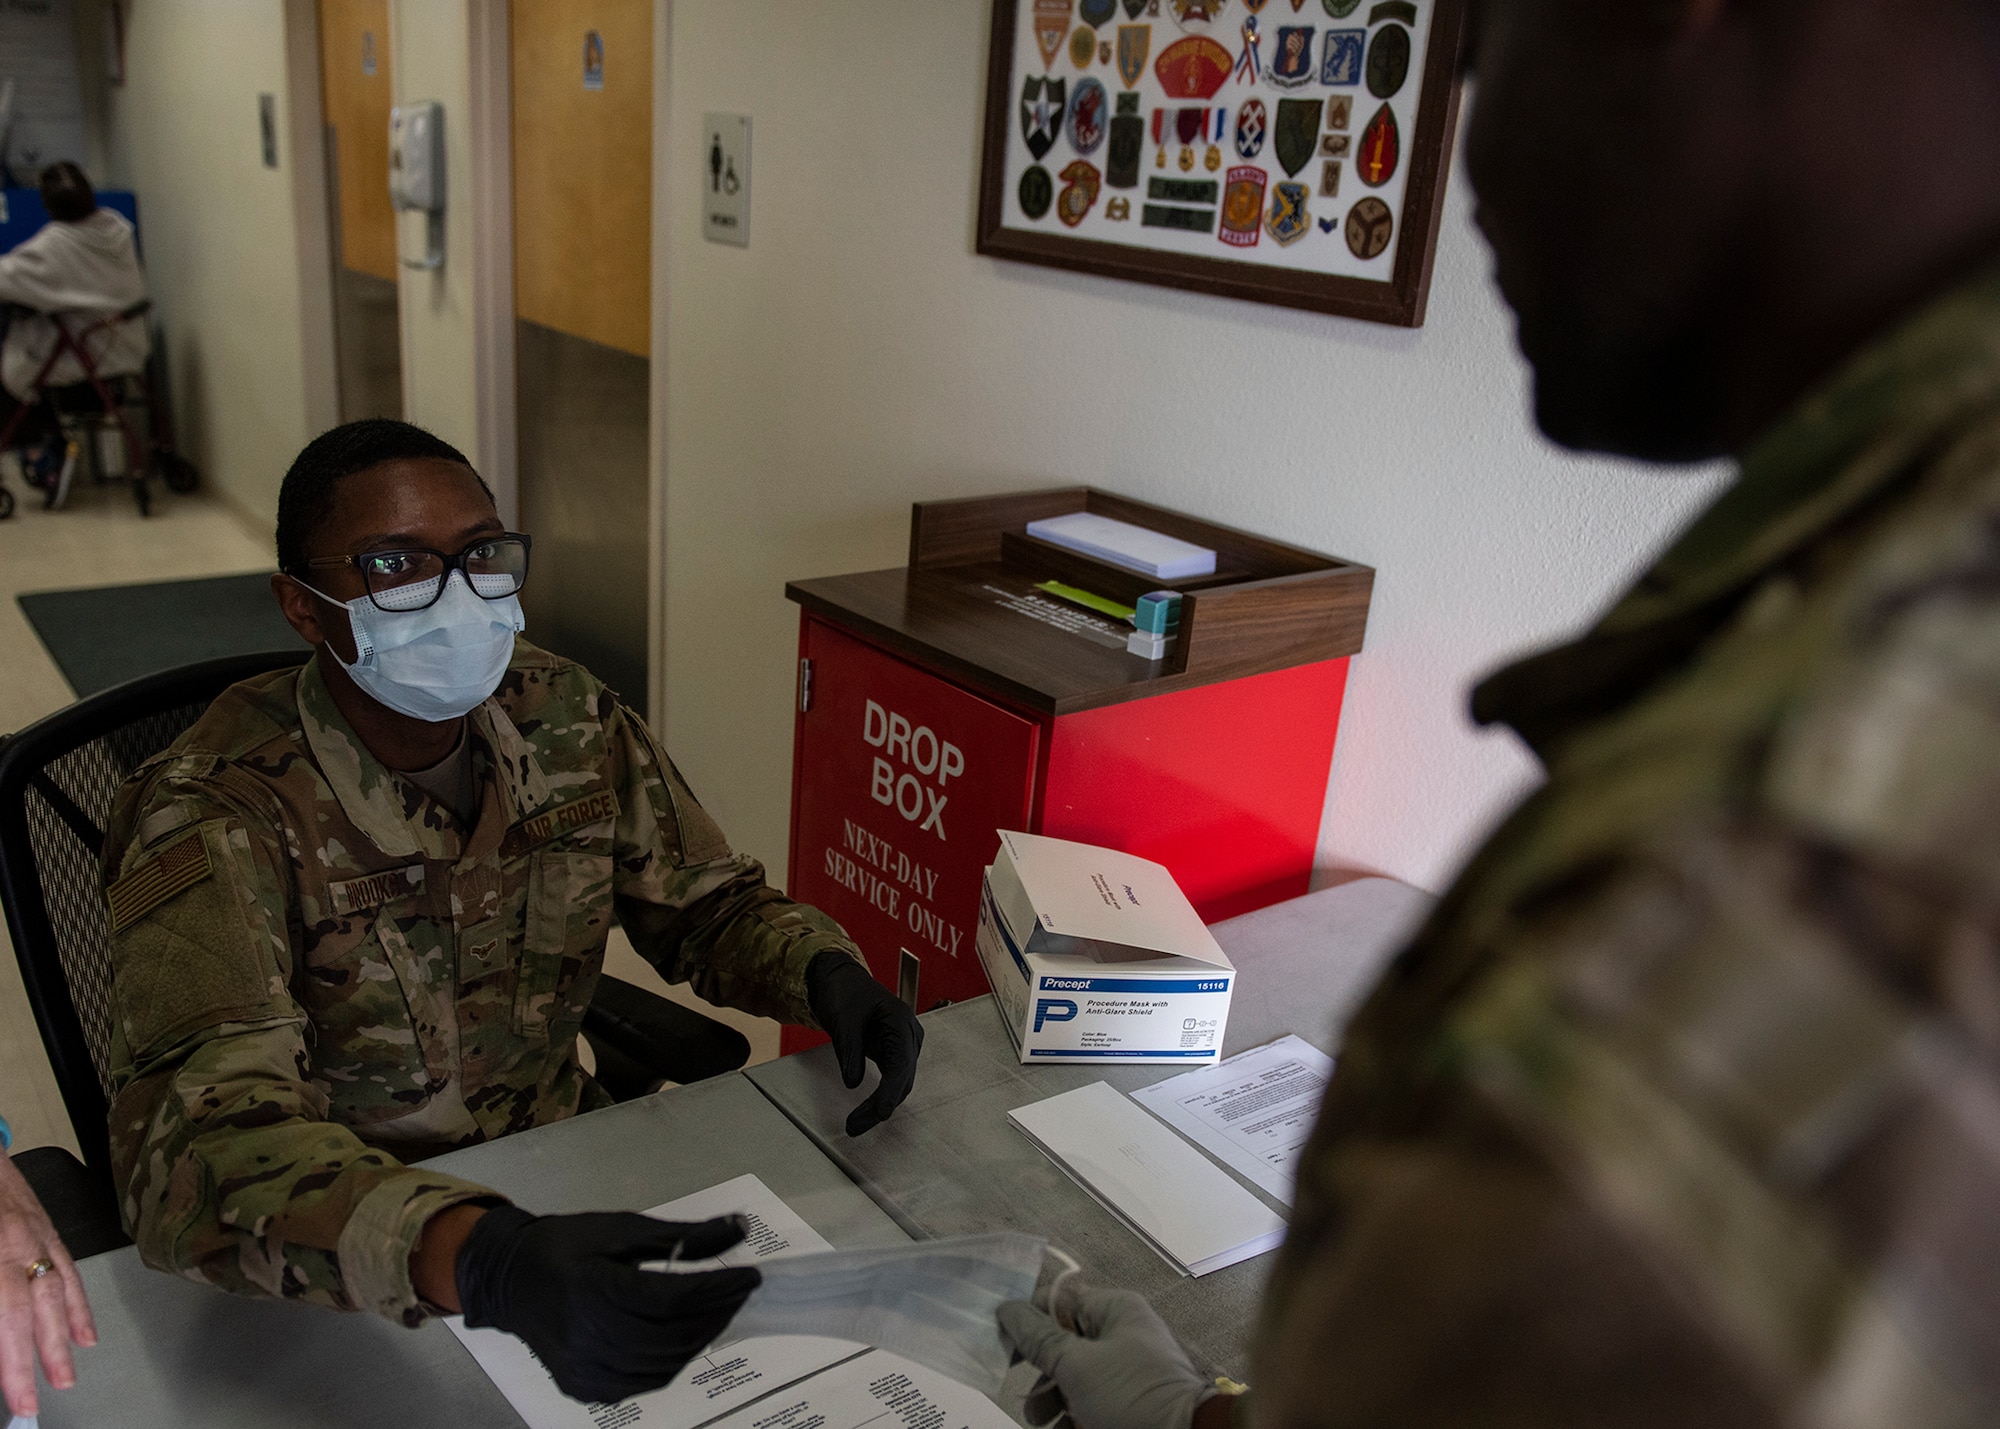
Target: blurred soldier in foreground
point(1684, 1109)
point(357, 913)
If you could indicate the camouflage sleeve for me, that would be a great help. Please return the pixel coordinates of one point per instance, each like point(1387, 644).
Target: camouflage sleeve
point(697, 911)
point(227, 1168)
point(1704, 1133)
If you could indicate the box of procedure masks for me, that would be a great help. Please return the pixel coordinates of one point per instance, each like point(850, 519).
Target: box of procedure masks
point(1072, 985)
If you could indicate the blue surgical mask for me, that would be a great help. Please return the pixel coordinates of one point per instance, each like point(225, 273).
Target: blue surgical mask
point(437, 663)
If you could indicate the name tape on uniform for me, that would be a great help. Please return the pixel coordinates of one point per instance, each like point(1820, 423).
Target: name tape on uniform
point(563, 819)
point(174, 870)
point(359, 895)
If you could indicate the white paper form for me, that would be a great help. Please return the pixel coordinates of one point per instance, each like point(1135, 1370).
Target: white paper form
point(1252, 1112)
point(799, 1378)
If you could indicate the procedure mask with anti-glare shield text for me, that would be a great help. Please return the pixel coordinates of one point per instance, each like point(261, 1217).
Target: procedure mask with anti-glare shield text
point(934, 1302)
point(436, 663)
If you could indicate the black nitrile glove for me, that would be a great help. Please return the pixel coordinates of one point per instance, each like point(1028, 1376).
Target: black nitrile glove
point(865, 1021)
point(572, 1289)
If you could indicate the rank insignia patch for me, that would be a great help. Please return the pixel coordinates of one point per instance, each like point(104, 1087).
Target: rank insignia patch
point(1340, 57)
point(1095, 12)
point(1297, 133)
point(1251, 120)
point(1082, 47)
point(1135, 43)
point(1193, 67)
point(173, 871)
point(1288, 221)
point(1292, 64)
point(1341, 9)
point(1089, 116)
point(1329, 179)
point(1370, 225)
point(1381, 149)
point(1128, 146)
point(1080, 184)
point(1044, 102)
point(1051, 25)
point(1243, 208)
point(1118, 209)
point(1388, 60)
point(1037, 191)
point(1338, 108)
point(1128, 104)
point(1327, 225)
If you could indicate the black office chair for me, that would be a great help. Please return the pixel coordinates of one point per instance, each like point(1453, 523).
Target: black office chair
point(57, 781)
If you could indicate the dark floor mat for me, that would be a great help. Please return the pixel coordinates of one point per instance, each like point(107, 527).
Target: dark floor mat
point(107, 635)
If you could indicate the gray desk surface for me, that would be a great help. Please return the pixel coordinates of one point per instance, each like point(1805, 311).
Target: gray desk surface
point(948, 1163)
point(171, 1352)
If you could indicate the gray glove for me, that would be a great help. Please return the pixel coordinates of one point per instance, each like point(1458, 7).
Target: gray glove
point(1121, 1369)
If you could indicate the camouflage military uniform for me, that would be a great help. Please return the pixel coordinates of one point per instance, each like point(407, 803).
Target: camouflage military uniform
point(1684, 1108)
point(321, 975)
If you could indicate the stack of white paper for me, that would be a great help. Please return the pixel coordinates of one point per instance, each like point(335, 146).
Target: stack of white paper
point(1254, 1112)
point(1121, 543)
point(1175, 1199)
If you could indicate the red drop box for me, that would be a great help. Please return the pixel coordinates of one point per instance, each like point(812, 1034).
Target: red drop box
point(945, 700)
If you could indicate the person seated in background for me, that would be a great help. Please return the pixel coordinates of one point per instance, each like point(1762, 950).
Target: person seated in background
point(84, 261)
point(357, 913)
point(43, 1309)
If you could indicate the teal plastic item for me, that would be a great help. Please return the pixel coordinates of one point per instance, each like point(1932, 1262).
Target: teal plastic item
point(1158, 613)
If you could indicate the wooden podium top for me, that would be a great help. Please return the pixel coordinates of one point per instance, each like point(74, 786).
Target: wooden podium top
point(967, 604)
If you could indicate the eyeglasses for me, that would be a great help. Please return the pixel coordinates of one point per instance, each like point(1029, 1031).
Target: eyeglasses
point(397, 581)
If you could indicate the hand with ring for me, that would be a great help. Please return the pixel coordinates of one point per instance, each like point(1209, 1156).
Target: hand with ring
point(42, 1305)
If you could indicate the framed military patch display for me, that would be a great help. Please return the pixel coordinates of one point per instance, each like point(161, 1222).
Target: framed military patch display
point(1284, 151)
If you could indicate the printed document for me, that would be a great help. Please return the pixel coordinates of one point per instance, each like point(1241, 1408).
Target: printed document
point(1252, 1112)
point(1175, 1199)
point(775, 1382)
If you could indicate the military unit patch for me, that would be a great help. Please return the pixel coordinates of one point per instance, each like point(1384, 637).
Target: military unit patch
point(1118, 209)
point(1095, 12)
point(1051, 24)
point(1082, 47)
point(1381, 149)
point(1335, 146)
point(1194, 67)
point(1080, 184)
point(1341, 56)
point(1402, 10)
point(1128, 146)
point(1135, 44)
point(171, 872)
point(1297, 133)
point(1243, 208)
point(1194, 14)
point(1044, 102)
point(1292, 60)
point(1341, 9)
point(1369, 228)
point(1250, 122)
point(1338, 108)
point(1037, 191)
point(1388, 61)
point(1089, 116)
point(1288, 220)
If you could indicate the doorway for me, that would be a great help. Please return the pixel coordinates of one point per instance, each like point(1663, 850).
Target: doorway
point(582, 87)
point(355, 98)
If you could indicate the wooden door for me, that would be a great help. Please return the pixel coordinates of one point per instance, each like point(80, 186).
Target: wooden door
point(355, 94)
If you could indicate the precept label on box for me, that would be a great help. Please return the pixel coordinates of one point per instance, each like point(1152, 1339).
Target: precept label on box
point(1068, 1009)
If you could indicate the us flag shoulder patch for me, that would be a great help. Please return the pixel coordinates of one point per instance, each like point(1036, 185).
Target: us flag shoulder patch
point(173, 871)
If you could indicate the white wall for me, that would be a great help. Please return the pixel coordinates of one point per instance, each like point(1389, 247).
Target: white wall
point(250, 367)
point(859, 356)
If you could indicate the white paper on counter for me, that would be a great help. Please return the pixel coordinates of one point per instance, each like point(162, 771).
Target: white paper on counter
point(801, 1379)
point(1252, 1112)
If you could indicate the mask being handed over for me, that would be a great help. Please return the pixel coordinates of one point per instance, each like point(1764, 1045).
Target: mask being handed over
point(437, 663)
point(935, 1302)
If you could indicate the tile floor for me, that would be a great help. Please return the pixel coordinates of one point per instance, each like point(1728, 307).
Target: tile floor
point(100, 539)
